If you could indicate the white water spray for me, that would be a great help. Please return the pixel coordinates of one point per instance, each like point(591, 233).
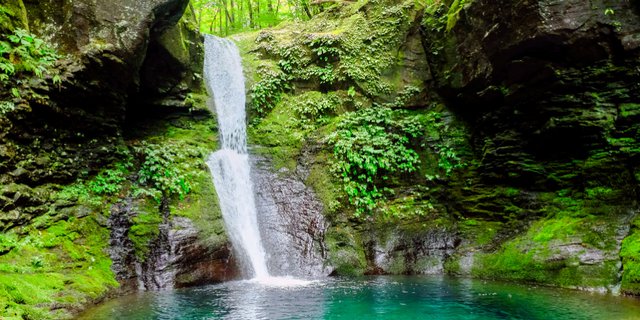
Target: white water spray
point(230, 165)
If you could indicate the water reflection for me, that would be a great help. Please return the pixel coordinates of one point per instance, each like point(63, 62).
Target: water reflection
point(370, 298)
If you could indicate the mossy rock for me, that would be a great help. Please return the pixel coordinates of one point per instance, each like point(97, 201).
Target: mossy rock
point(47, 272)
point(202, 208)
point(346, 253)
point(630, 254)
point(13, 15)
point(564, 251)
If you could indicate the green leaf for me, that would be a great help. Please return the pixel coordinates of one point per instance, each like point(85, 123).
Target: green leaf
point(15, 92)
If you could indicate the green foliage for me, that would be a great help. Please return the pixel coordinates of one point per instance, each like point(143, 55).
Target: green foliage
point(440, 17)
point(109, 182)
point(445, 142)
point(163, 168)
point(325, 48)
point(228, 17)
point(311, 106)
point(266, 93)
point(354, 46)
point(371, 145)
point(405, 96)
point(22, 53)
point(454, 13)
point(6, 107)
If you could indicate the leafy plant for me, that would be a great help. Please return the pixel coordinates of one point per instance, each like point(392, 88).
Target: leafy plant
point(405, 96)
point(267, 92)
point(23, 55)
point(325, 48)
point(161, 169)
point(445, 143)
point(6, 107)
point(23, 52)
point(109, 182)
point(370, 146)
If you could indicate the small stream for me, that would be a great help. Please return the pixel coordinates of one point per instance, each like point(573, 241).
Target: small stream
point(384, 297)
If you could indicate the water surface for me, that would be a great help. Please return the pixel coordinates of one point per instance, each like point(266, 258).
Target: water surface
point(369, 298)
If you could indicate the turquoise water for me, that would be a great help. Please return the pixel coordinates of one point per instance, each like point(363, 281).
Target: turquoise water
point(370, 298)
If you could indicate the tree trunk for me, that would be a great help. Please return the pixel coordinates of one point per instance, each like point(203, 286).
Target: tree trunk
point(251, 24)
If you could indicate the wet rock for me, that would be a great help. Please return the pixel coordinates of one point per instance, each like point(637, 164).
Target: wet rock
point(172, 69)
point(194, 262)
point(539, 80)
point(398, 251)
point(177, 257)
point(85, 116)
point(121, 249)
point(291, 222)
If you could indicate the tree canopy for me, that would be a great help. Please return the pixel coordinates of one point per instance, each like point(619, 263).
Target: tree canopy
point(224, 17)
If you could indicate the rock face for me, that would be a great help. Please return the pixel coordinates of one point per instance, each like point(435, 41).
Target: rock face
point(178, 256)
point(106, 47)
point(534, 108)
point(291, 222)
point(73, 147)
point(548, 88)
point(402, 251)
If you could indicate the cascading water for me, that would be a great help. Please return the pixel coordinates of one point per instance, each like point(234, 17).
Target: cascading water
point(230, 165)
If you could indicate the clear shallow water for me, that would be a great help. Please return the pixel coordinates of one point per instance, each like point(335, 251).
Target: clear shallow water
point(369, 298)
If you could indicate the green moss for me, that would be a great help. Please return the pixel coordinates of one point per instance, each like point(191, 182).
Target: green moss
point(202, 208)
point(560, 229)
point(357, 45)
point(279, 136)
point(536, 257)
point(145, 227)
point(346, 253)
point(630, 254)
point(630, 110)
point(480, 232)
point(64, 265)
point(452, 265)
point(13, 15)
point(324, 184)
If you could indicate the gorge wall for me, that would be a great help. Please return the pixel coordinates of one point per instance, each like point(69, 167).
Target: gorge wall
point(491, 139)
point(104, 185)
point(503, 143)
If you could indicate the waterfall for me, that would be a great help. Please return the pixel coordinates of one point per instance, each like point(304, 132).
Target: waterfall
point(230, 165)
